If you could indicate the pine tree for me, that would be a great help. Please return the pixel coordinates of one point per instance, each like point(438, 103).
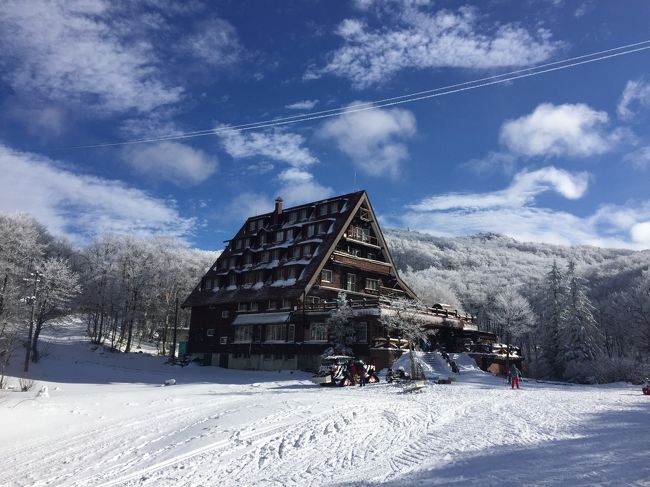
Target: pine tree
point(580, 333)
point(549, 326)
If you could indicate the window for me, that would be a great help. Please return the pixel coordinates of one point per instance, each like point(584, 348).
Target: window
point(275, 332)
point(210, 332)
point(232, 279)
point(323, 227)
point(247, 243)
point(254, 306)
point(307, 250)
point(311, 229)
point(262, 238)
point(291, 273)
point(372, 284)
point(303, 214)
point(295, 252)
point(249, 278)
point(244, 334)
point(223, 340)
point(291, 217)
point(252, 226)
point(322, 210)
point(248, 259)
point(242, 306)
point(351, 282)
point(238, 244)
point(264, 257)
point(326, 275)
point(286, 303)
point(225, 313)
point(361, 332)
point(223, 263)
point(292, 333)
point(334, 206)
point(273, 304)
point(279, 236)
point(318, 332)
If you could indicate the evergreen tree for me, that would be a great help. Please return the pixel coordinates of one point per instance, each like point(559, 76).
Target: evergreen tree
point(553, 304)
point(580, 333)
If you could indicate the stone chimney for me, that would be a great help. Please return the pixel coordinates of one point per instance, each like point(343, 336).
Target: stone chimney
point(277, 213)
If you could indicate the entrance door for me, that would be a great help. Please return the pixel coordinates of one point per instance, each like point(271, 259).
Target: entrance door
point(223, 360)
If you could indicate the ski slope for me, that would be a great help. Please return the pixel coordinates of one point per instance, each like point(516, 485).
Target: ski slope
point(108, 421)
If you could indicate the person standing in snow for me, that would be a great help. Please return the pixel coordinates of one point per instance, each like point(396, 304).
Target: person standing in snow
point(363, 375)
point(515, 375)
point(353, 373)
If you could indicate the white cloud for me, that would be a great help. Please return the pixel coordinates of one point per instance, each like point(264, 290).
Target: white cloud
point(640, 158)
point(274, 144)
point(69, 52)
point(640, 233)
point(512, 212)
point(422, 40)
point(303, 105)
point(215, 42)
point(298, 186)
point(79, 206)
point(556, 130)
point(171, 161)
point(245, 205)
point(522, 191)
point(372, 138)
point(635, 94)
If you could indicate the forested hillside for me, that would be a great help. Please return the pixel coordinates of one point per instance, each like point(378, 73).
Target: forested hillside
point(581, 313)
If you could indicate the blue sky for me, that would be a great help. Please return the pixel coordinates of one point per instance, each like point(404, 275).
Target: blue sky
point(562, 157)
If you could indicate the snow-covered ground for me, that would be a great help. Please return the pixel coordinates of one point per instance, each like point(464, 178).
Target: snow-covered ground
point(109, 421)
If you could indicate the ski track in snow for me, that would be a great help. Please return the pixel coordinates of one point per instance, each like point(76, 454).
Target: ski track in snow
point(270, 429)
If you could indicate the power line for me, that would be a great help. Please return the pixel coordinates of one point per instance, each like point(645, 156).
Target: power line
point(397, 100)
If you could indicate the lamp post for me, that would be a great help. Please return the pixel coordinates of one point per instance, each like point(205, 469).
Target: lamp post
point(28, 353)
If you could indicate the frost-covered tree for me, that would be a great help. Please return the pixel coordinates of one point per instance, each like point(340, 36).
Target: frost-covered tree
point(579, 330)
point(553, 303)
point(406, 318)
point(341, 324)
point(56, 287)
point(512, 315)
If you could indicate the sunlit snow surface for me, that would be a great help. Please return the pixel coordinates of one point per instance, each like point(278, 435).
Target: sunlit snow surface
point(109, 421)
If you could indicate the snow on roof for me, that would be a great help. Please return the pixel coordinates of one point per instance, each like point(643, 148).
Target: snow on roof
point(261, 318)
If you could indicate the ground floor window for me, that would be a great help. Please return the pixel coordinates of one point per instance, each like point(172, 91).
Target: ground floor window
point(361, 332)
point(275, 332)
point(244, 334)
point(318, 332)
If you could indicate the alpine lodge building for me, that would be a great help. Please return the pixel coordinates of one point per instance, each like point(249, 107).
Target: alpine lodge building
point(265, 303)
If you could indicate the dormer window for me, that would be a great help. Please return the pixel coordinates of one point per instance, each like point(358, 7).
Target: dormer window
point(334, 206)
point(322, 210)
point(303, 214)
point(237, 244)
point(291, 217)
point(264, 256)
point(311, 229)
point(232, 279)
point(279, 236)
point(307, 251)
point(248, 259)
point(296, 253)
point(262, 238)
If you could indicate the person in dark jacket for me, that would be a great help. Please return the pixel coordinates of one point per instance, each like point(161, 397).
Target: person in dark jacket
point(515, 376)
point(363, 375)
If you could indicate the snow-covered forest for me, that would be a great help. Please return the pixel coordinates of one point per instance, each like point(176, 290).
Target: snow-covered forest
point(125, 287)
point(580, 313)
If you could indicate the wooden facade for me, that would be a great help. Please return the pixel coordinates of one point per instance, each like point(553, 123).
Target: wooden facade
point(265, 302)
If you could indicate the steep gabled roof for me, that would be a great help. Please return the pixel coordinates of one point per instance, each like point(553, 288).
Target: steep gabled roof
point(349, 204)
